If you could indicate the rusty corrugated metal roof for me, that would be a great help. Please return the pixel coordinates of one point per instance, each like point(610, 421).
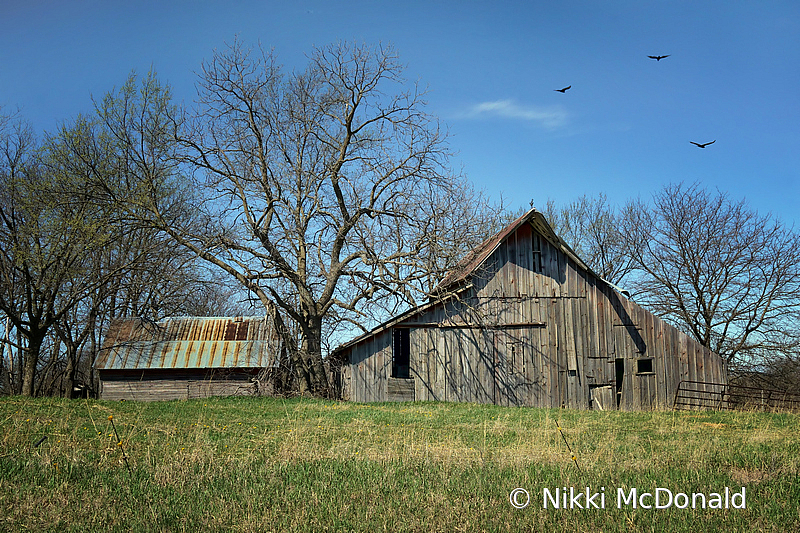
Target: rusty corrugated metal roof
point(135, 344)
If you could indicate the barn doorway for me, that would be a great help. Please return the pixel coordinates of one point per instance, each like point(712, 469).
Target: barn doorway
point(401, 353)
point(507, 369)
point(619, 366)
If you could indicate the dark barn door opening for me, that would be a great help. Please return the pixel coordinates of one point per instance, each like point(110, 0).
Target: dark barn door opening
point(401, 353)
point(619, 366)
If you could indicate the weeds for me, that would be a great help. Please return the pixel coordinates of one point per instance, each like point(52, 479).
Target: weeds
point(251, 464)
point(119, 443)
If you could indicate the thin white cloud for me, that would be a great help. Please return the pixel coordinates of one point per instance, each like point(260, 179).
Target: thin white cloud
point(549, 117)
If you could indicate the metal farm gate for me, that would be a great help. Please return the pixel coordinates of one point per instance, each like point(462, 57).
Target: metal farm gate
point(703, 395)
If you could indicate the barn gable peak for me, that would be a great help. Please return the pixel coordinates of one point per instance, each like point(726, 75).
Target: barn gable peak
point(472, 262)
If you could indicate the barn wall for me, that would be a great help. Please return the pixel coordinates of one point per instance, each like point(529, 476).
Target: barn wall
point(369, 369)
point(537, 330)
point(178, 385)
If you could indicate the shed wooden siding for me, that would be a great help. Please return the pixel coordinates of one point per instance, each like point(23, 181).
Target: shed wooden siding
point(159, 386)
point(536, 329)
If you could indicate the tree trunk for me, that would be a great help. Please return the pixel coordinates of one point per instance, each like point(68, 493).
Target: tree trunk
point(312, 357)
point(6, 372)
point(31, 361)
point(68, 378)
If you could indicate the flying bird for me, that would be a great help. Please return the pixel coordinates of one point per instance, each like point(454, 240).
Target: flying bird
point(703, 145)
point(658, 58)
point(564, 89)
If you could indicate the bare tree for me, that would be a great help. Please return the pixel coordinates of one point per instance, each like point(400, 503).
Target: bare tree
point(31, 264)
point(592, 228)
point(71, 259)
point(314, 183)
point(52, 233)
point(719, 270)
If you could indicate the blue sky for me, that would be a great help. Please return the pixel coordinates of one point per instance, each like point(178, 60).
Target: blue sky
point(624, 127)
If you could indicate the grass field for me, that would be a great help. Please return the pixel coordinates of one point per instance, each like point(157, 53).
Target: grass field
point(261, 464)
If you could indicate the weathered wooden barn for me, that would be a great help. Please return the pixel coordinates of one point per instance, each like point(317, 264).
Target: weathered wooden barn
point(523, 321)
point(181, 358)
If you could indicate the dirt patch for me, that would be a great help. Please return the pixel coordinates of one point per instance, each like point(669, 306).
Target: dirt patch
point(746, 477)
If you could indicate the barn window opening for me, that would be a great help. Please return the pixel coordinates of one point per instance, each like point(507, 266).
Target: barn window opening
point(619, 367)
point(401, 351)
point(644, 366)
point(538, 265)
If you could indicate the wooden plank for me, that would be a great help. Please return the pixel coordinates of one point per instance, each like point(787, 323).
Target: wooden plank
point(580, 391)
point(666, 368)
point(400, 390)
point(501, 278)
point(561, 273)
point(553, 270)
point(423, 387)
point(525, 255)
point(621, 353)
point(469, 383)
point(174, 389)
point(452, 365)
point(505, 368)
point(568, 327)
point(700, 362)
point(379, 377)
point(460, 367)
point(552, 361)
point(603, 398)
point(585, 349)
point(478, 363)
point(537, 372)
point(537, 262)
point(369, 369)
point(691, 356)
point(430, 365)
point(513, 269)
point(670, 358)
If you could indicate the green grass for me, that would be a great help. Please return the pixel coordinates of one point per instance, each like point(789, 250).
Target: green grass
point(260, 464)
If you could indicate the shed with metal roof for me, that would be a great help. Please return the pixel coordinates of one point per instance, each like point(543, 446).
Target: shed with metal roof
point(189, 357)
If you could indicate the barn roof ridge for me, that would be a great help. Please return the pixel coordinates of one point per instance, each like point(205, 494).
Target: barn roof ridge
point(472, 261)
point(476, 257)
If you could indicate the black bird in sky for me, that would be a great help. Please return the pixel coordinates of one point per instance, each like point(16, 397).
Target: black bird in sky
point(703, 145)
point(658, 58)
point(564, 89)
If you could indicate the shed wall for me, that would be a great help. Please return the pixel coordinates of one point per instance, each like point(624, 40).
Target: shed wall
point(177, 385)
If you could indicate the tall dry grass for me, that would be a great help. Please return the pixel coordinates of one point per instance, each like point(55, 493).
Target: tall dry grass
point(249, 464)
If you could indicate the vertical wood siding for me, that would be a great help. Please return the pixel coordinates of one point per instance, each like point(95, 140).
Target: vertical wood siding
point(535, 329)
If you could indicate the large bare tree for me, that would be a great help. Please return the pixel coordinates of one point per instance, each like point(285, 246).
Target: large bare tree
point(716, 268)
point(316, 184)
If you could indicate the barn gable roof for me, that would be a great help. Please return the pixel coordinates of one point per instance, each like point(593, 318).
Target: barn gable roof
point(470, 265)
point(189, 342)
point(474, 259)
